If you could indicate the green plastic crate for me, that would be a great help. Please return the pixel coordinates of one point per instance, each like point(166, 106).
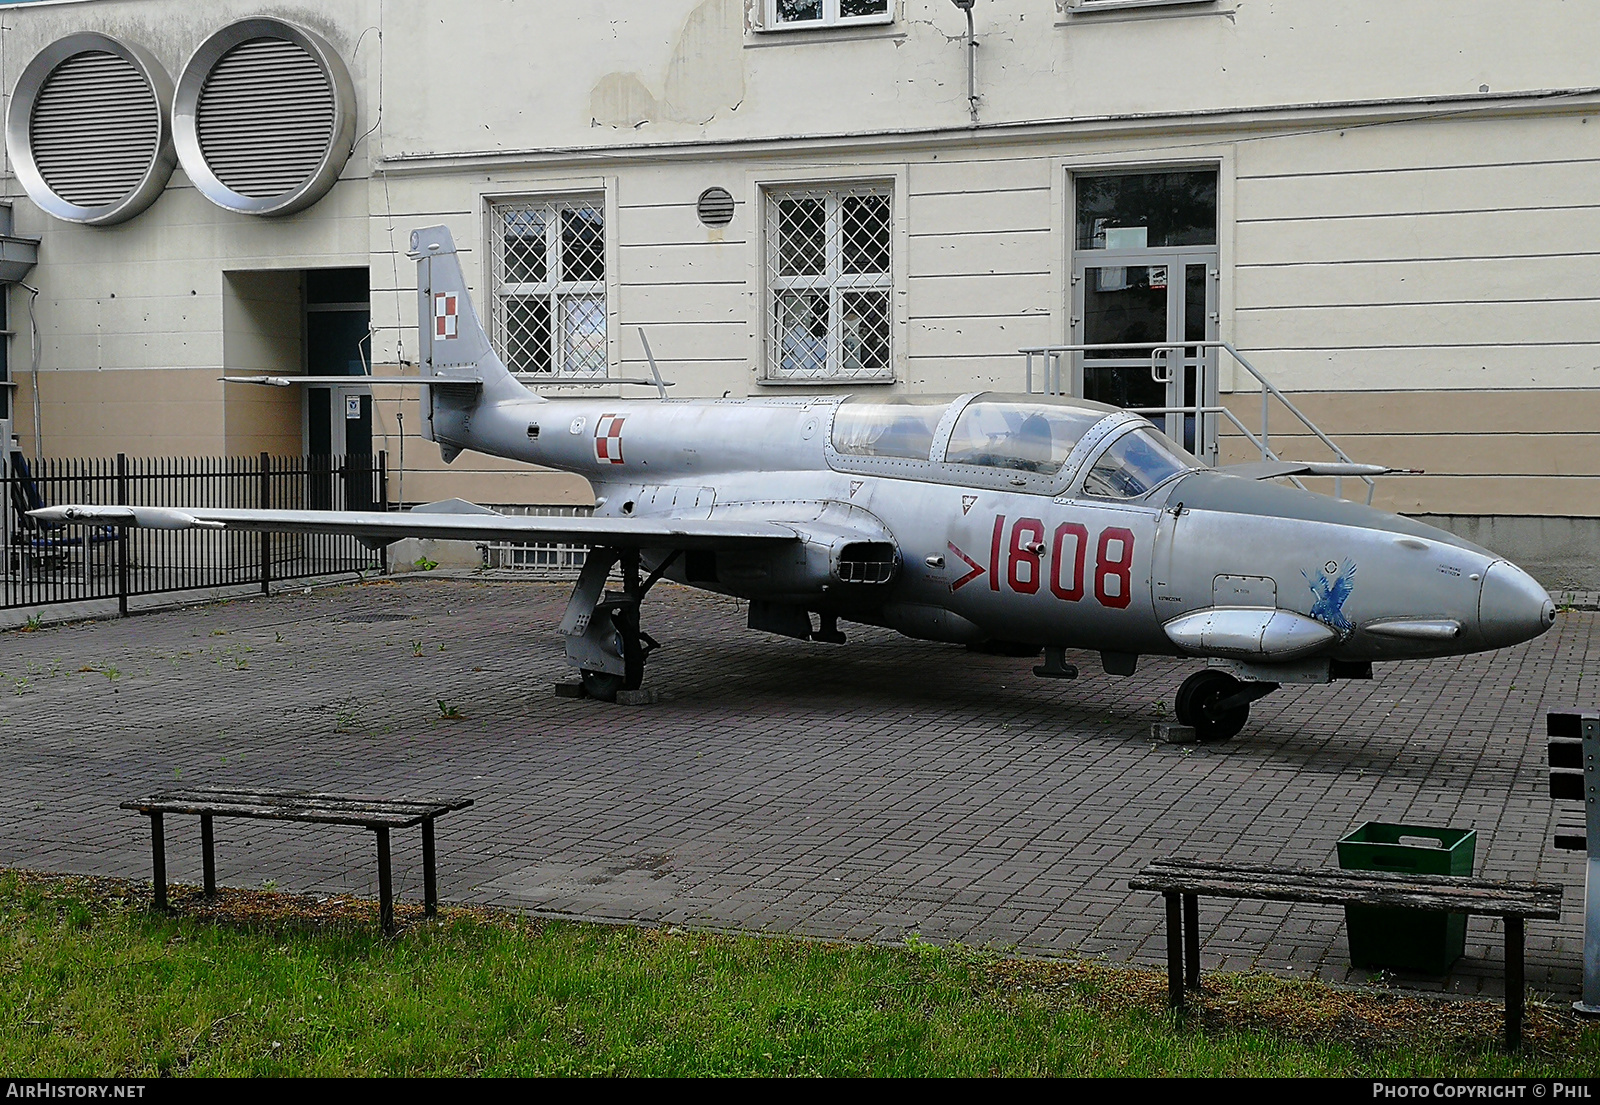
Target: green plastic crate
point(1406, 939)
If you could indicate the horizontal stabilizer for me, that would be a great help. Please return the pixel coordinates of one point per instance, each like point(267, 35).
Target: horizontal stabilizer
point(1273, 469)
point(348, 381)
point(538, 380)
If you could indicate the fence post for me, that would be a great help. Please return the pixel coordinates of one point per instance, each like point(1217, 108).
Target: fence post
point(1590, 1005)
point(383, 505)
point(266, 538)
point(122, 538)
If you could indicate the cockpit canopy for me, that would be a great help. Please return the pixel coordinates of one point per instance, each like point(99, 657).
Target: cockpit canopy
point(1135, 463)
point(900, 426)
point(1025, 435)
point(1032, 434)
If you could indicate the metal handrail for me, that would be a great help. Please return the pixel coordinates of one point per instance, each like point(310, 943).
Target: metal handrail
point(1053, 355)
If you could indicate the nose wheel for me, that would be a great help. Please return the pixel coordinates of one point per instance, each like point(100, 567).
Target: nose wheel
point(602, 685)
point(1216, 705)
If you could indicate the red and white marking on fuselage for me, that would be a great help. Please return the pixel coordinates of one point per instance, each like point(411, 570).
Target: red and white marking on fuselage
point(608, 438)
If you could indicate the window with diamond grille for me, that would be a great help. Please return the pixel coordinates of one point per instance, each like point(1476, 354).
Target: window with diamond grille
point(547, 315)
point(829, 275)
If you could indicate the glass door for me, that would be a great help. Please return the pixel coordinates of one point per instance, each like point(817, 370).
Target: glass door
point(1148, 304)
point(1144, 283)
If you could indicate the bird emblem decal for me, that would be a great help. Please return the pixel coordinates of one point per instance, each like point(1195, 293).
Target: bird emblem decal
point(1332, 586)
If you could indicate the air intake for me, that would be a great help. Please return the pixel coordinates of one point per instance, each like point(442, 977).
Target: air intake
point(265, 117)
point(88, 131)
point(95, 128)
point(715, 207)
point(872, 562)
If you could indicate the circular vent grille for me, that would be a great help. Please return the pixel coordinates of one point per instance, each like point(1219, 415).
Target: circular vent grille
point(715, 207)
point(96, 126)
point(264, 117)
point(87, 129)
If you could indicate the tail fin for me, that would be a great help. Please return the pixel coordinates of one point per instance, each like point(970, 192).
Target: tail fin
point(452, 343)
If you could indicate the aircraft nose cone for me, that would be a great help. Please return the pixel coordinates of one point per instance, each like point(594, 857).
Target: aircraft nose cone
point(1512, 607)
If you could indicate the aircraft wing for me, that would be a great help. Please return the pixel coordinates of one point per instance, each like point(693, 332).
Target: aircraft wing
point(447, 522)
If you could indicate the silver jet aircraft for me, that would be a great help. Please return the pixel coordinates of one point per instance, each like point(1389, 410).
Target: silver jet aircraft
point(1023, 524)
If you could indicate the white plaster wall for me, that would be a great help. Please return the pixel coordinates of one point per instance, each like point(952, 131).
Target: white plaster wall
point(630, 72)
point(1449, 254)
point(1376, 249)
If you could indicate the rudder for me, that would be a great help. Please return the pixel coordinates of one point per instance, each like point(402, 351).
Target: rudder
point(453, 346)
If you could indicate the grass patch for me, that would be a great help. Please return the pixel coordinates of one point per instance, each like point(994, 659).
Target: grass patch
point(93, 984)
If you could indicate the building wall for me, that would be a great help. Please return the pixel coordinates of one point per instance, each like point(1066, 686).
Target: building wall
point(1406, 214)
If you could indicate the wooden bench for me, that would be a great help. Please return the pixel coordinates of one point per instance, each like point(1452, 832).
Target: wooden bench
point(1184, 881)
point(377, 814)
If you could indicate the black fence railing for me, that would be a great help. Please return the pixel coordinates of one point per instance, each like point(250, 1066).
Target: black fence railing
point(46, 565)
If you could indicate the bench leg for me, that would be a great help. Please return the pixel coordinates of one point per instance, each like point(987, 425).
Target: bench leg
point(430, 888)
point(385, 887)
point(1174, 949)
point(208, 855)
point(158, 861)
point(1514, 982)
point(1191, 940)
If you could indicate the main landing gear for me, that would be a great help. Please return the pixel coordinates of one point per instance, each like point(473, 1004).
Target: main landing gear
point(1216, 705)
point(604, 641)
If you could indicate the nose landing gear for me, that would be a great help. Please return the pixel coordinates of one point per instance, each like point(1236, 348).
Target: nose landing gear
point(1216, 705)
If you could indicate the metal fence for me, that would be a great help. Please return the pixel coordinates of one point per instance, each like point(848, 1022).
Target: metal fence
point(547, 561)
point(74, 563)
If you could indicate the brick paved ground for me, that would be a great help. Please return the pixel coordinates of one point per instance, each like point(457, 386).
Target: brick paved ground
point(859, 792)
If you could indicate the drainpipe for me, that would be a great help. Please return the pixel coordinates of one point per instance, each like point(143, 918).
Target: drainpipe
point(972, 59)
point(33, 346)
point(400, 418)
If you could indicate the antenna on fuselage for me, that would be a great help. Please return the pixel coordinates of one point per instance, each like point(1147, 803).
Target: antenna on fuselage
point(654, 371)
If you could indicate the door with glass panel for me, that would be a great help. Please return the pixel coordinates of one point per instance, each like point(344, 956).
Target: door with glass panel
point(1144, 283)
point(338, 420)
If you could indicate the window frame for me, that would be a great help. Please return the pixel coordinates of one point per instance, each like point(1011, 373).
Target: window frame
point(830, 18)
point(1089, 7)
point(556, 293)
point(834, 281)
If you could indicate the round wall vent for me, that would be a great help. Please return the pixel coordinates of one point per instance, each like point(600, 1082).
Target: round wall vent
point(264, 117)
point(715, 207)
point(88, 129)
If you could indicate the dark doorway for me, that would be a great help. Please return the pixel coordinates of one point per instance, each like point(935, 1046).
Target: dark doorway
point(338, 322)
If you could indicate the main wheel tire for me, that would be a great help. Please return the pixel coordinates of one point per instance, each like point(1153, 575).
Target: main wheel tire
point(602, 685)
point(1198, 694)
